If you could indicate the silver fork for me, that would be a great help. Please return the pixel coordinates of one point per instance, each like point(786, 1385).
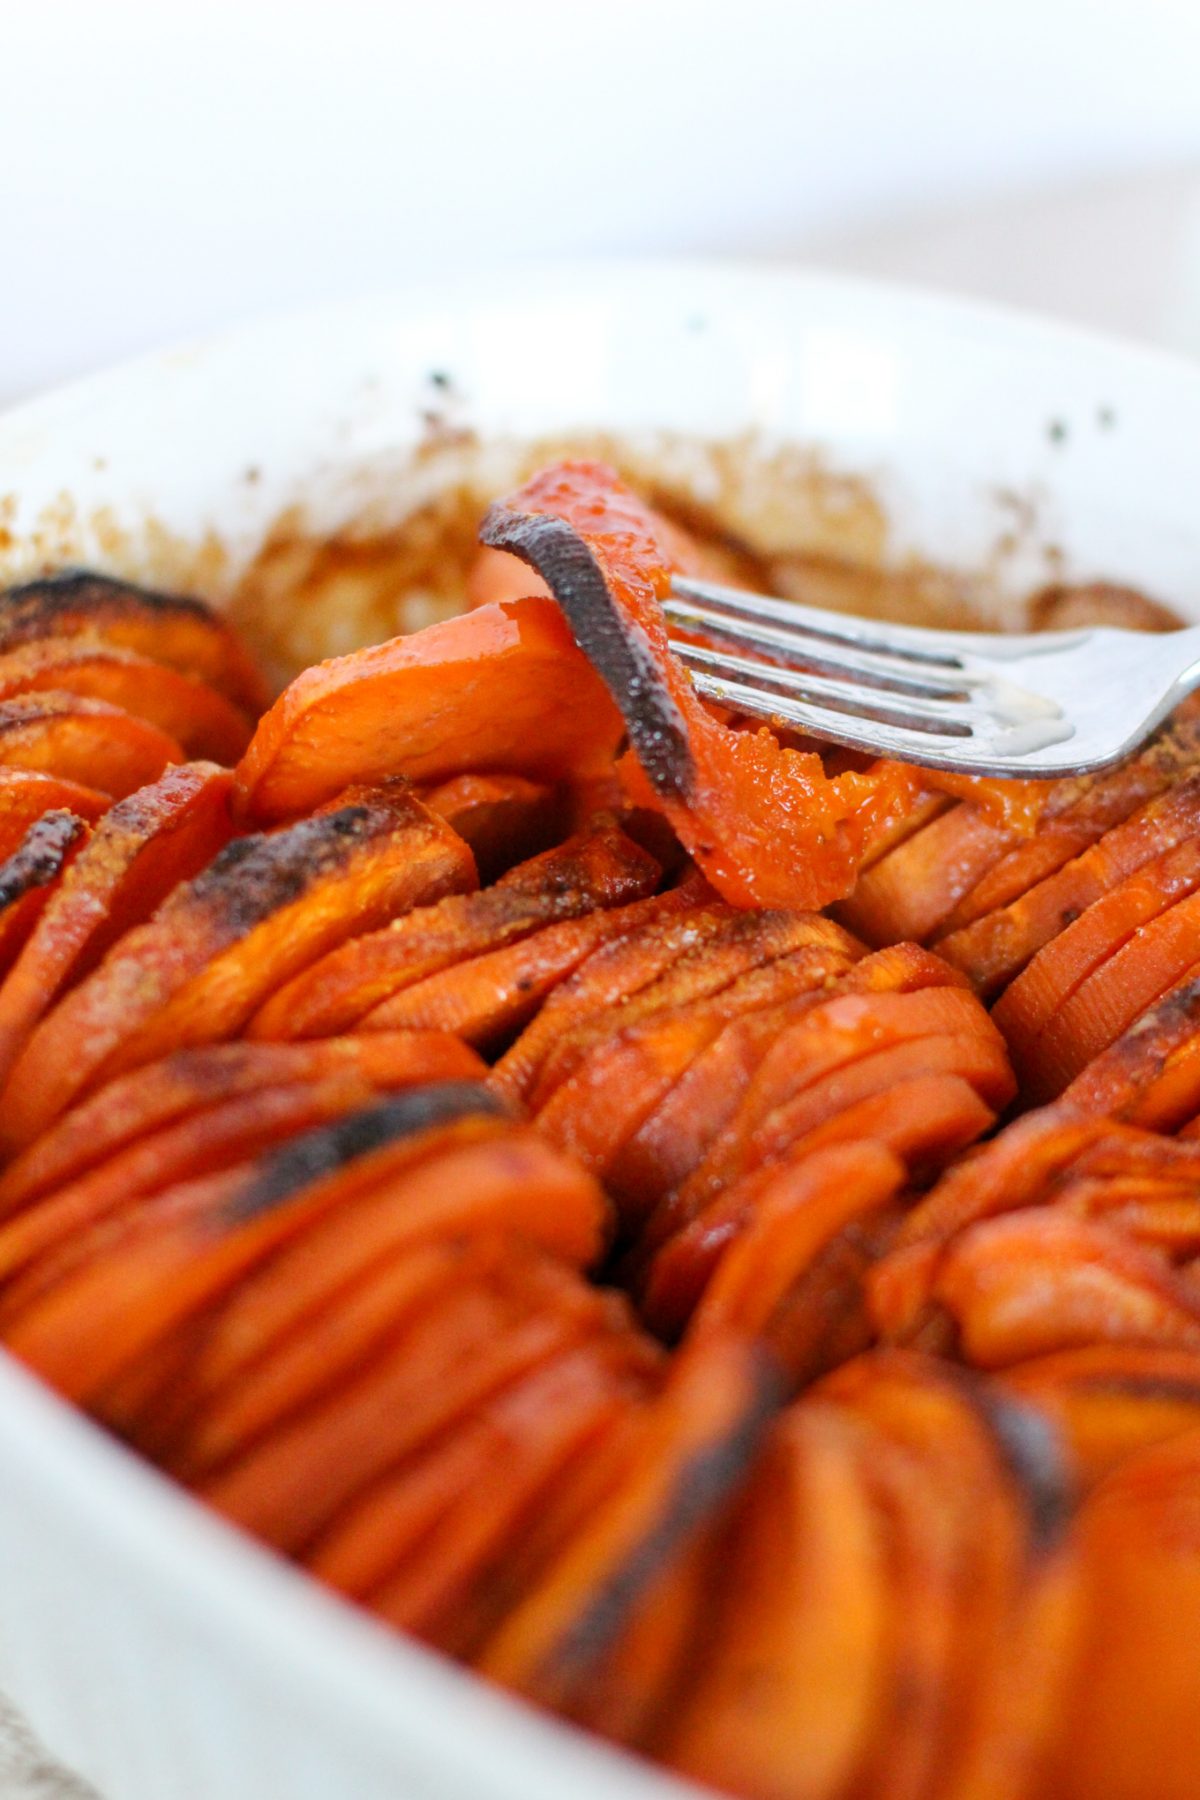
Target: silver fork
point(1052, 703)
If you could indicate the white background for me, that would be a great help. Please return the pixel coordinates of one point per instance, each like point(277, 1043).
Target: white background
point(168, 167)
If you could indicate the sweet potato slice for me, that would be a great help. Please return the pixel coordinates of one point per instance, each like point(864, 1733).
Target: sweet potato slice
point(997, 947)
point(184, 634)
point(264, 908)
point(29, 877)
point(191, 1082)
point(84, 741)
point(1110, 1401)
point(25, 796)
point(144, 846)
point(1036, 1281)
point(500, 689)
point(798, 1211)
point(505, 818)
point(1151, 1074)
point(114, 1296)
point(217, 1137)
point(610, 1091)
point(1107, 1002)
point(1129, 1728)
point(1061, 968)
point(691, 1451)
point(765, 824)
point(599, 868)
point(417, 1545)
point(792, 1672)
point(195, 715)
point(970, 861)
point(496, 1324)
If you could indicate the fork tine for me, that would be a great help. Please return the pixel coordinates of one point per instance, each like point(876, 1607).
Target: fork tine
point(910, 643)
point(841, 658)
point(973, 756)
point(766, 682)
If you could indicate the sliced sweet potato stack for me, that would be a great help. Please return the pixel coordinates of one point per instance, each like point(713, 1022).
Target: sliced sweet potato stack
point(26, 796)
point(143, 847)
point(599, 868)
point(505, 818)
point(110, 1296)
point(702, 1105)
point(511, 1312)
point(520, 1187)
point(31, 874)
point(724, 951)
point(216, 1137)
point(1068, 961)
point(1153, 960)
point(595, 1109)
point(764, 823)
point(1128, 1728)
point(689, 1455)
point(921, 1121)
point(997, 947)
point(183, 633)
point(488, 998)
point(792, 1670)
point(189, 711)
point(854, 1021)
point(264, 908)
point(1110, 1401)
point(986, 1584)
point(969, 861)
point(418, 1546)
point(190, 1082)
point(84, 741)
point(501, 689)
point(1039, 1280)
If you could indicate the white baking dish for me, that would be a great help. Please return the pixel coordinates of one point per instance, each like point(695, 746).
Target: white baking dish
point(152, 1648)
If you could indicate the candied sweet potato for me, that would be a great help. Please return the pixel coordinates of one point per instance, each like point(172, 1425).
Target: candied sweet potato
point(183, 633)
point(147, 843)
point(84, 741)
point(25, 796)
point(195, 715)
point(764, 823)
point(220, 943)
point(29, 877)
point(500, 689)
point(599, 868)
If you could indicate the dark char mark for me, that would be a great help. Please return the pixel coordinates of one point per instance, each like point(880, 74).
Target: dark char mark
point(39, 858)
point(1033, 1455)
point(281, 1173)
point(611, 644)
point(30, 610)
point(700, 1487)
point(256, 875)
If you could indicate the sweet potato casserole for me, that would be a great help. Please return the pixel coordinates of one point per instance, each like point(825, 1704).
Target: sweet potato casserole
point(702, 1228)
